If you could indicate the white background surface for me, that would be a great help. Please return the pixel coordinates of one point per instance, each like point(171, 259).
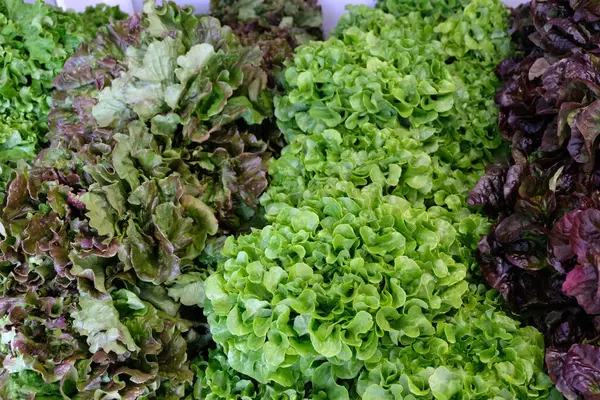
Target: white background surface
point(332, 9)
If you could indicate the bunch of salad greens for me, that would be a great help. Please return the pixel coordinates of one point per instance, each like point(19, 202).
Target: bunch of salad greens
point(166, 245)
point(276, 26)
point(35, 41)
point(543, 254)
point(359, 286)
point(159, 146)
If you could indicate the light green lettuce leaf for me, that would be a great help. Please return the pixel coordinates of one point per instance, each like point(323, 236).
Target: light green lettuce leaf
point(99, 322)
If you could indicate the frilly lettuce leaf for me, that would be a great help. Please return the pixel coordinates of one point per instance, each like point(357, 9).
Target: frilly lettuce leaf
point(323, 282)
point(215, 379)
point(395, 72)
point(99, 321)
point(152, 340)
point(437, 9)
point(36, 336)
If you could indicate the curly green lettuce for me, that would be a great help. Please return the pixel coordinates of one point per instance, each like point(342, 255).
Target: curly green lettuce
point(35, 41)
point(399, 73)
point(361, 286)
point(438, 10)
point(216, 380)
point(348, 274)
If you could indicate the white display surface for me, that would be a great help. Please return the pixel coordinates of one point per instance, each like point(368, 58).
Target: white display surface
point(53, 2)
point(332, 9)
point(80, 5)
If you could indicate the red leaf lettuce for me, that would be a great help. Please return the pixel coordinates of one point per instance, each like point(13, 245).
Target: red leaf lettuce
point(543, 254)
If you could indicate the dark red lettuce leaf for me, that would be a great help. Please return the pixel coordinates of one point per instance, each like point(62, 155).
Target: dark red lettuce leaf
point(583, 283)
point(585, 236)
point(563, 26)
point(497, 189)
point(578, 236)
point(576, 372)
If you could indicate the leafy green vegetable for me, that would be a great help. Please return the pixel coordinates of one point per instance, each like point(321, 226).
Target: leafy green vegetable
point(215, 379)
point(437, 9)
point(347, 276)
point(359, 287)
point(123, 325)
point(24, 385)
point(99, 321)
point(276, 26)
point(388, 72)
point(171, 112)
point(35, 41)
point(156, 152)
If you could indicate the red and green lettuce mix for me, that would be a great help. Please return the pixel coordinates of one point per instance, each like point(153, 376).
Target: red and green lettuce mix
point(543, 255)
point(35, 41)
point(276, 26)
point(158, 148)
point(362, 284)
